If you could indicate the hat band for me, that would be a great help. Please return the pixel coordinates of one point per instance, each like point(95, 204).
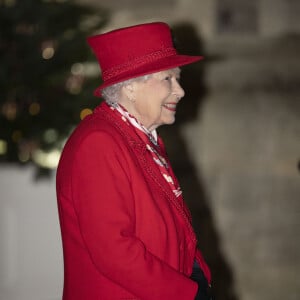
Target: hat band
point(137, 62)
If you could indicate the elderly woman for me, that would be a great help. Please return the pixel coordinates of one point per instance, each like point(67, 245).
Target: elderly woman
point(126, 230)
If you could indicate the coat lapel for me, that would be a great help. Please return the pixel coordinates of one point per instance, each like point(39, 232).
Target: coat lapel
point(152, 170)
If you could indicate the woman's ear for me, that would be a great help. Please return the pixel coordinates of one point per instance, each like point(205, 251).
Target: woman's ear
point(128, 90)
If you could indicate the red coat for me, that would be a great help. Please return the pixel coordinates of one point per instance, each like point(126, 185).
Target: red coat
point(125, 235)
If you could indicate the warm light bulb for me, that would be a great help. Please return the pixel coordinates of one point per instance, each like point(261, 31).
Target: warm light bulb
point(74, 84)
point(50, 135)
point(47, 159)
point(3, 147)
point(85, 112)
point(48, 52)
point(34, 108)
point(77, 69)
point(9, 110)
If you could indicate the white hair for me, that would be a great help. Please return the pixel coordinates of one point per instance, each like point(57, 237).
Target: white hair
point(111, 93)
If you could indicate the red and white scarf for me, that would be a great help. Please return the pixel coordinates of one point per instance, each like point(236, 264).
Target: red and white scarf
point(151, 141)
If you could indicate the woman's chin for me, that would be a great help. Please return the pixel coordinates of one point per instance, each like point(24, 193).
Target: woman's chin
point(170, 121)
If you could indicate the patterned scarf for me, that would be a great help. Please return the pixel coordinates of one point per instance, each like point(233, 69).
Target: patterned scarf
point(151, 141)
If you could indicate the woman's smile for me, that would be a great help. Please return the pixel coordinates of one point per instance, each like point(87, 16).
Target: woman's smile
point(170, 106)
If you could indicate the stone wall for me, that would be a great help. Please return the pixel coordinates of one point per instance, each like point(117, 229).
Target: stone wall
point(246, 147)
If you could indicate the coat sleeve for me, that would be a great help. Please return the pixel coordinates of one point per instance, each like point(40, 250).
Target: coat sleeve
point(104, 205)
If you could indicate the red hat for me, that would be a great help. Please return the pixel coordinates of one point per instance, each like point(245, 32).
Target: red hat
point(134, 51)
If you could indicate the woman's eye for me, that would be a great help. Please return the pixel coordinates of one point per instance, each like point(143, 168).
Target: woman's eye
point(167, 78)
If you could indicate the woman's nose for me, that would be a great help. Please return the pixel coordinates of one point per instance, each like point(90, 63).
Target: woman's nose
point(178, 90)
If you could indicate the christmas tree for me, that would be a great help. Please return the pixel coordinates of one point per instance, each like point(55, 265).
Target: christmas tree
point(47, 76)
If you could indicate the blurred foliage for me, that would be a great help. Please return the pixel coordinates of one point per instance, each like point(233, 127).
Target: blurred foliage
point(47, 75)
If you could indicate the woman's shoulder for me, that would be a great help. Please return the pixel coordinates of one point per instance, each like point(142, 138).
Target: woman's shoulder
point(98, 120)
point(100, 127)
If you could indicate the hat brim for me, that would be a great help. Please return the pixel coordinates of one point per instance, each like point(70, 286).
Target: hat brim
point(165, 63)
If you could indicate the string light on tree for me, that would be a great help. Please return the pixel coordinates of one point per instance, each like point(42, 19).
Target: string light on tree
point(85, 112)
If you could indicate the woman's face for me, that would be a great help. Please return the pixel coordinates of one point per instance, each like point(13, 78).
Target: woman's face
point(153, 102)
